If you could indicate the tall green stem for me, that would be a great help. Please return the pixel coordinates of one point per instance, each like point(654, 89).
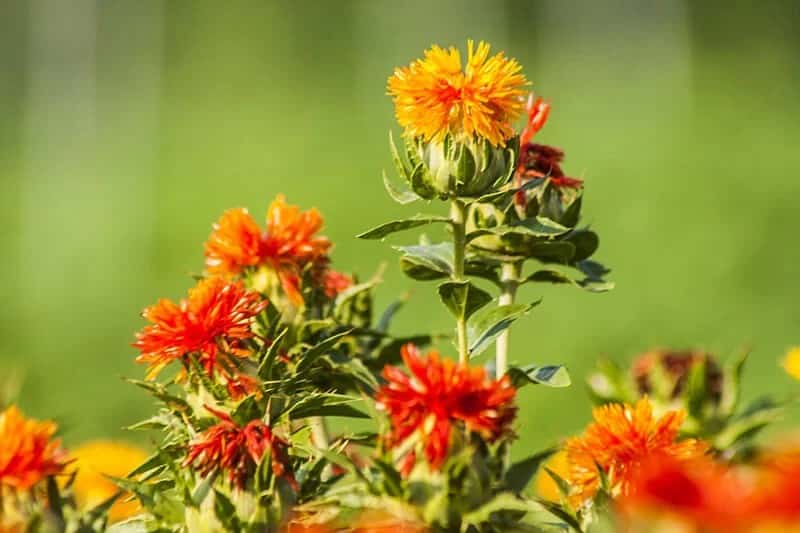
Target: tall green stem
point(458, 219)
point(509, 277)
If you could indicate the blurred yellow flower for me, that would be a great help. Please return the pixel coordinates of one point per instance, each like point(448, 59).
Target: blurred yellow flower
point(96, 459)
point(791, 363)
point(546, 487)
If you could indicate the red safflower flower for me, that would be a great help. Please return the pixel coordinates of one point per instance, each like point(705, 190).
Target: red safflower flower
point(440, 394)
point(619, 440)
point(538, 110)
point(333, 282)
point(238, 450)
point(211, 322)
point(28, 452)
point(287, 246)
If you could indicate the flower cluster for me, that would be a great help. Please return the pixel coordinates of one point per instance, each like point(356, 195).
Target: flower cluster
point(272, 342)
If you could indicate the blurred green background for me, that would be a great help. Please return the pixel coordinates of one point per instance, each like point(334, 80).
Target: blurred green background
point(126, 128)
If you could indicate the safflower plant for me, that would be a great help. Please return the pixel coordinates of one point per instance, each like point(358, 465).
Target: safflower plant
point(262, 370)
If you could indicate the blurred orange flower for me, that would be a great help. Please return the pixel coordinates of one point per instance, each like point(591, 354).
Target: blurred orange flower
point(211, 323)
point(28, 451)
point(440, 393)
point(287, 246)
point(238, 450)
point(433, 96)
point(619, 439)
point(93, 462)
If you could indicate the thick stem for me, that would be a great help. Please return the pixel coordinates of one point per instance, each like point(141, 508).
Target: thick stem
point(509, 277)
point(319, 432)
point(458, 219)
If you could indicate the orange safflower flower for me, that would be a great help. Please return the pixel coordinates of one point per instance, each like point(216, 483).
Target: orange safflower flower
point(287, 246)
point(433, 96)
point(238, 450)
point(28, 451)
point(212, 322)
point(440, 394)
point(619, 439)
point(698, 494)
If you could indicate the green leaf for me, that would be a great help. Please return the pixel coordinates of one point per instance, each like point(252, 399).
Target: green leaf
point(553, 252)
point(521, 473)
point(401, 196)
point(554, 276)
point(585, 241)
point(268, 361)
point(225, 511)
point(592, 269)
point(563, 485)
point(247, 410)
point(325, 405)
point(388, 314)
point(429, 261)
point(394, 226)
point(309, 356)
point(549, 375)
point(401, 166)
point(696, 390)
point(504, 501)
point(572, 215)
point(463, 298)
point(203, 488)
point(732, 377)
point(483, 328)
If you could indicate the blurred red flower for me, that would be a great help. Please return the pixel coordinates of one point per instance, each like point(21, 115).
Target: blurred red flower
point(439, 394)
point(333, 282)
point(699, 493)
point(211, 322)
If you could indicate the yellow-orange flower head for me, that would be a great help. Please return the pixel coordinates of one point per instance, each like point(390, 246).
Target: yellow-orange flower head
point(619, 440)
point(28, 451)
point(791, 363)
point(433, 96)
point(93, 462)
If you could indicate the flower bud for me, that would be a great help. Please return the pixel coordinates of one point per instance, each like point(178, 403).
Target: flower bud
point(465, 168)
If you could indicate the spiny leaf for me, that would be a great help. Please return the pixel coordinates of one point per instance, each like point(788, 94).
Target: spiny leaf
point(401, 196)
point(271, 355)
point(521, 473)
point(310, 355)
